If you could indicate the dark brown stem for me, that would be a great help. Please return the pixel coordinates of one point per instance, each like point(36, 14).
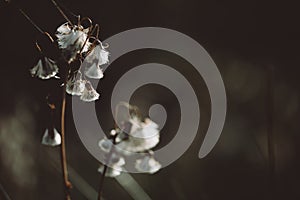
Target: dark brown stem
point(31, 21)
point(127, 105)
point(61, 12)
point(105, 168)
point(101, 182)
point(27, 17)
point(49, 36)
point(37, 27)
point(67, 183)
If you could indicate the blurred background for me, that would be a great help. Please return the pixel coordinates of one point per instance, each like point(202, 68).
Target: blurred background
point(246, 39)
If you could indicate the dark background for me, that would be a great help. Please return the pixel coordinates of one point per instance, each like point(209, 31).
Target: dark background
point(245, 39)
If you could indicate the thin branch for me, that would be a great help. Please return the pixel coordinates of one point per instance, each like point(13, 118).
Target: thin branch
point(62, 12)
point(101, 182)
point(31, 21)
point(106, 168)
point(67, 183)
point(127, 105)
point(35, 25)
point(68, 10)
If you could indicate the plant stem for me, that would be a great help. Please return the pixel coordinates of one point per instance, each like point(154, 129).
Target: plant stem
point(31, 21)
point(67, 184)
point(108, 157)
point(61, 12)
point(127, 105)
point(37, 28)
point(101, 182)
point(105, 168)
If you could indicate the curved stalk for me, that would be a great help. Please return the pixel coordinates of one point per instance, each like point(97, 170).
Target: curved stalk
point(67, 183)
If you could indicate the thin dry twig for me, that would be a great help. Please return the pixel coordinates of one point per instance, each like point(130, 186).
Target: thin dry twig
point(67, 183)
